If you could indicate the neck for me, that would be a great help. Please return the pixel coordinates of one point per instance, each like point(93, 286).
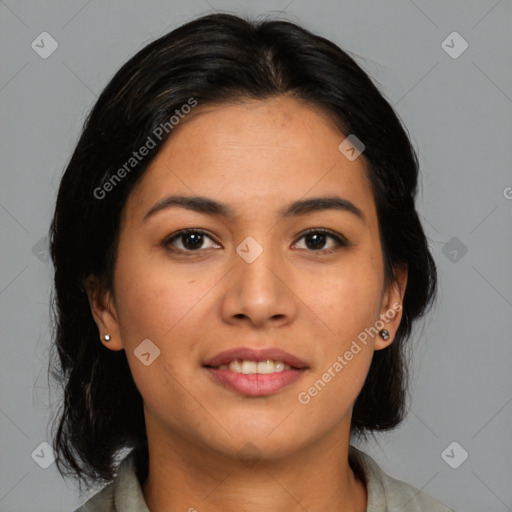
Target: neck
point(185, 476)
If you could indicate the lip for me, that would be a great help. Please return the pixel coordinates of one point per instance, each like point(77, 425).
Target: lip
point(241, 353)
point(255, 384)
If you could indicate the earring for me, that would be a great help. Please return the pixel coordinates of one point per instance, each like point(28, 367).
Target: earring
point(384, 334)
point(106, 337)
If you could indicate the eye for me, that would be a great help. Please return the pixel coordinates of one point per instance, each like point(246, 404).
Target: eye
point(190, 240)
point(316, 239)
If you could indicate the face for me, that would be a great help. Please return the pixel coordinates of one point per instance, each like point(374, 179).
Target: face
point(309, 282)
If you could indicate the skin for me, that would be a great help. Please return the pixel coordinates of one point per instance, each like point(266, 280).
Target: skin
point(256, 156)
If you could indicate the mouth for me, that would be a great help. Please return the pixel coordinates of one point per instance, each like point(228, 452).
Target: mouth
point(255, 372)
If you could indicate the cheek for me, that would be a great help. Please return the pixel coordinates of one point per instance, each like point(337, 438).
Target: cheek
point(153, 299)
point(347, 300)
point(163, 306)
point(347, 297)
point(158, 306)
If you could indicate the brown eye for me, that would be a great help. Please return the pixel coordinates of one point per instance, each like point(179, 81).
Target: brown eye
point(189, 240)
point(316, 239)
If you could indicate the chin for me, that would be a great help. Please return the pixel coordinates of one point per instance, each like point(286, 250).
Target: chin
point(264, 441)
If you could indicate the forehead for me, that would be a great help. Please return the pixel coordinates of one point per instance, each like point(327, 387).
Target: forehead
point(254, 155)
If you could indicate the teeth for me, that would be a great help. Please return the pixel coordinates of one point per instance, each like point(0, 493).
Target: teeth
point(270, 366)
point(250, 367)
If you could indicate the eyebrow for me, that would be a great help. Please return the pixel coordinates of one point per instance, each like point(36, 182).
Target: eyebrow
point(212, 207)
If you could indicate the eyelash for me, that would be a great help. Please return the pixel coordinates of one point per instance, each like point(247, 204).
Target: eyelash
point(340, 241)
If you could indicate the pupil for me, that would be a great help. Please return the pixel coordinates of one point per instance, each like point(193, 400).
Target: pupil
point(196, 240)
point(318, 237)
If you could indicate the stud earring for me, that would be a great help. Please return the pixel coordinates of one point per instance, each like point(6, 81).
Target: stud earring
point(384, 334)
point(106, 337)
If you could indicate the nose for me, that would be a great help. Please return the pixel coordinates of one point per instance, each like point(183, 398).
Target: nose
point(259, 293)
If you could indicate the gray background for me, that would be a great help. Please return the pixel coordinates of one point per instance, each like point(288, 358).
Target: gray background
point(458, 112)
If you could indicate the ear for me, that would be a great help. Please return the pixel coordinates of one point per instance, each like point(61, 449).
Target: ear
point(392, 307)
point(104, 312)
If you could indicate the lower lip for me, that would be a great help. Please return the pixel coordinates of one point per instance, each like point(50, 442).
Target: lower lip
point(255, 384)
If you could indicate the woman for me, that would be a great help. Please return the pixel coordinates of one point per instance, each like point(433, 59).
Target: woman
point(238, 265)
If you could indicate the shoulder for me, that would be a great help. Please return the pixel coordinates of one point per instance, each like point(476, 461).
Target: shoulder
point(386, 493)
point(102, 501)
point(123, 494)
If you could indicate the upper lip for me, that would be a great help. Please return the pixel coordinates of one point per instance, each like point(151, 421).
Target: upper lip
point(241, 353)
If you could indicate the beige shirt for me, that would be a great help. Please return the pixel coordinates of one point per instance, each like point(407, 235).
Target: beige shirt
point(385, 494)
